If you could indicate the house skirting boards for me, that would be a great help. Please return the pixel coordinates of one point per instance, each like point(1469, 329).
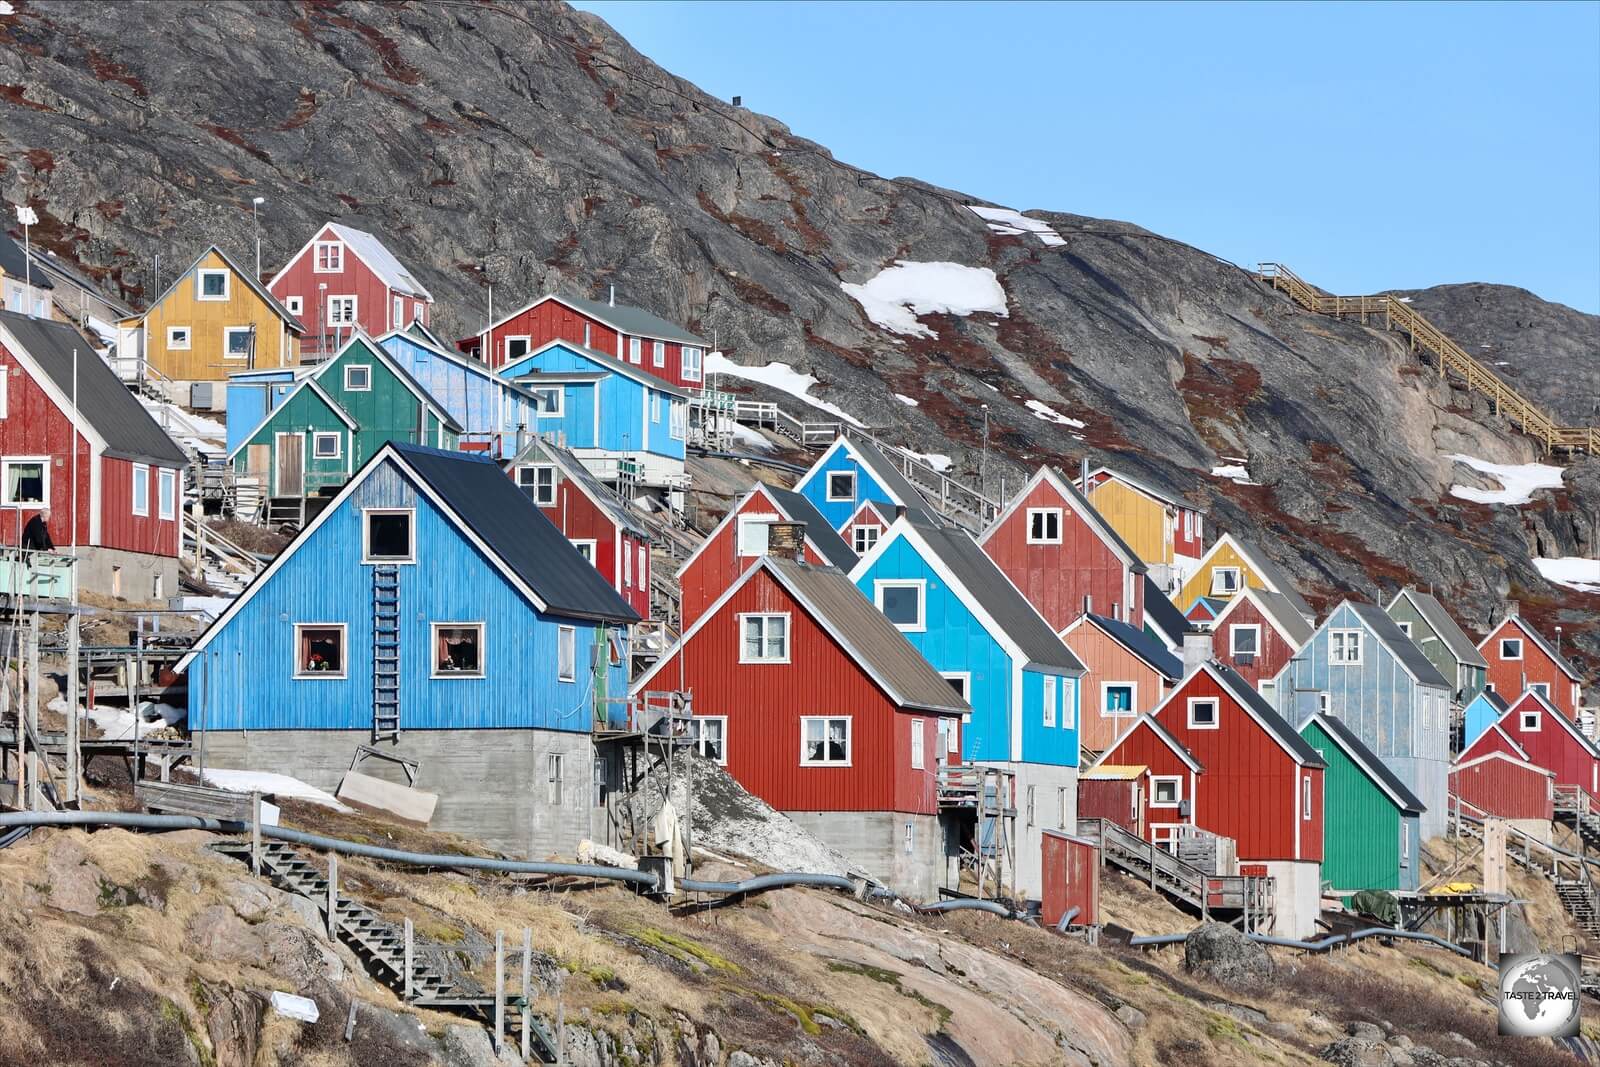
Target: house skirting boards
point(908, 852)
point(1297, 896)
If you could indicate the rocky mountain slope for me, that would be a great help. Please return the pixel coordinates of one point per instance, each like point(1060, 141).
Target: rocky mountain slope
point(530, 148)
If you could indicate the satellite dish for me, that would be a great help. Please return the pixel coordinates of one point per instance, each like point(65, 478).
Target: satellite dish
point(27, 216)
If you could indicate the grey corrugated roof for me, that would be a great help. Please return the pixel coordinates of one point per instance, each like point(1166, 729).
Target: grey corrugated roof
point(1161, 612)
point(126, 427)
point(15, 262)
point(990, 587)
point(1283, 612)
point(864, 631)
point(540, 450)
point(59, 266)
point(1275, 724)
point(1405, 650)
point(1142, 645)
point(1368, 761)
point(824, 537)
point(1454, 637)
point(1496, 701)
point(1278, 577)
point(634, 320)
point(516, 531)
point(886, 474)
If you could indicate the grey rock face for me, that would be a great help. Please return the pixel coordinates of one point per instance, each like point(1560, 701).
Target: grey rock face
point(1357, 1052)
point(1218, 951)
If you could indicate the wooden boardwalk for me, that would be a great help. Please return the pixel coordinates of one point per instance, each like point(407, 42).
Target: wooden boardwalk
point(1451, 359)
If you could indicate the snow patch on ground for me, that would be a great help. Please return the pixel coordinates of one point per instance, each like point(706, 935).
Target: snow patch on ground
point(780, 376)
point(744, 436)
point(908, 401)
point(1574, 572)
point(1013, 223)
point(1518, 482)
point(120, 724)
point(1045, 412)
point(895, 296)
point(1236, 472)
point(937, 460)
point(279, 785)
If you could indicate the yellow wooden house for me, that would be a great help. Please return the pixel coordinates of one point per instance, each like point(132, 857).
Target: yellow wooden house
point(212, 321)
point(1230, 566)
point(1159, 527)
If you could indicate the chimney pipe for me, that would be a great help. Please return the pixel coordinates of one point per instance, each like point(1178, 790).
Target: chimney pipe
point(787, 540)
point(1512, 608)
point(899, 511)
point(1083, 474)
point(613, 300)
point(1196, 650)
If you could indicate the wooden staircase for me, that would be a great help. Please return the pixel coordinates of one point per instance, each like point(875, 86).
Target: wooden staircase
point(380, 945)
point(1248, 897)
point(1451, 359)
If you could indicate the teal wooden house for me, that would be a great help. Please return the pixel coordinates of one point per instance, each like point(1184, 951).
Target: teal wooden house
point(1422, 618)
point(1371, 821)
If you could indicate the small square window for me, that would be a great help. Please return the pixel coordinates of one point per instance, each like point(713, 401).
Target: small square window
point(539, 482)
point(902, 603)
point(329, 257)
point(1531, 721)
point(1344, 647)
point(1044, 526)
point(764, 639)
point(326, 445)
point(549, 401)
point(27, 481)
point(841, 485)
point(389, 536)
point(864, 538)
point(458, 650)
point(752, 534)
point(178, 338)
point(294, 305)
point(211, 284)
point(1203, 713)
point(1166, 791)
point(518, 347)
point(358, 378)
point(1224, 581)
point(1244, 640)
point(319, 650)
point(1119, 698)
point(825, 742)
point(238, 342)
point(711, 737)
point(1511, 648)
point(567, 654)
point(585, 549)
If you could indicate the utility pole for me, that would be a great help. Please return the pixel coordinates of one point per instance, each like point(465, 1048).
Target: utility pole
point(27, 216)
point(255, 224)
point(983, 461)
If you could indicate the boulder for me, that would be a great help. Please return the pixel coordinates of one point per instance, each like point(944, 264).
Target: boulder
point(469, 1046)
point(1357, 1052)
point(1364, 1030)
point(1219, 952)
point(1131, 1017)
point(217, 933)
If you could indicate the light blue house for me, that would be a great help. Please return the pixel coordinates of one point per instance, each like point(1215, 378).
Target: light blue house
point(432, 610)
point(625, 424)
point(966, 618)
point(252, 394)
point(853, 471)
point(1484, 711)
point(496, 415)
point(1360, 668)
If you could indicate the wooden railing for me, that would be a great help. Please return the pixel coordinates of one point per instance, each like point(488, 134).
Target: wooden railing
point(1449, 357)
point(1251, 896)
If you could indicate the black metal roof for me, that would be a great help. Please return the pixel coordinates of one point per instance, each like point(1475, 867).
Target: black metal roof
point(634, 320)
point(514, 529)
point(104, 402)
point(1141, 644)
point(1275, 724)
point(1162, 612)
point(15, 263)
point(1368, 761)
point(824, 537)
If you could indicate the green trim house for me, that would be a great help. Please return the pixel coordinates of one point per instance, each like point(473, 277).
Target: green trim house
point(336, 419)
point(1371, 823)
point(1422, 618)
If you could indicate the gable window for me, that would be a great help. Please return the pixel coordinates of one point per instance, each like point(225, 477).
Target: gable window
point(210, 284)
point(1166, 791)
point(1118, 698)
point(635, 349)
point(711, 737)
point(567, 654)
point(238, 341)
point(319, 650)
point(517, 347)
point(752, 534)
point(1542, 688)
point(1049, 687)
point(678, 412)
point(917, 742)
point(841, 485)
point(398, 312)
point(549, 400)
point(458, 650)
point(325, 445)
point(141, 489)
point(178, 338)
point(358, 378)
point(1245, 641)
point(863, 538)
point(539, 482)
point(1044, 526)
point(1532, 721)
point(764, 638)
point(1511, 648)
point(167, 494)
point(585, 549)
point(902, 603)
point(341, 310)
point(1203, 713)
point(691, 364)
point(1405, 628)
point(327, 257)
point(658, 354)
point(389, 535)
point(294, 305)
point(1305, 798)
point(825, 741)
point(1344, 647)
point(555, 764)
point(25, 481)
point(1224, 581)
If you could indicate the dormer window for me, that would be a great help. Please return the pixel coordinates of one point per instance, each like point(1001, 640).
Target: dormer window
point(329, 257)
point(389, 535)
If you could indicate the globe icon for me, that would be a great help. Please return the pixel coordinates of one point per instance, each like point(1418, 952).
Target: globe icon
point(1538, 997)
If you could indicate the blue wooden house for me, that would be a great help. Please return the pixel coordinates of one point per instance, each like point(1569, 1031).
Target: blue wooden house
point(430, 609)
point(966, 618)
point(1484, 711)
point(853, 471)
point(252, 394)
point(496, 416)
point(625, 424)
point(1360, 668)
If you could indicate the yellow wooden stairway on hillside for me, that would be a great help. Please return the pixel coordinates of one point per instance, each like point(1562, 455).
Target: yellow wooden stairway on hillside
point(1449, 357)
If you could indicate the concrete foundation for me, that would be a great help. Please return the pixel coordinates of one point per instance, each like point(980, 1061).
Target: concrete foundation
point(137, 576)
point(493, 785)
point(1538, 829)
point(909, 852)
point(1047, 799)
point(1297, 897)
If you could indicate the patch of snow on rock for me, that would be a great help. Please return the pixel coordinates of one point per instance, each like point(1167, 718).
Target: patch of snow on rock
point(895, 296)
point(908, 401)
point(279, 785)
point(937, 460)
point(1574, 572)
point(1044, 411)
point(1518, 482)
point(780, 376)
point(1003, 220)
point(1235, 472)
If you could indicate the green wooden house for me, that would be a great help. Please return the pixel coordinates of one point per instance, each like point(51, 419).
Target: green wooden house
point(336, 419)
point(1422, 618)
point(1371, 823)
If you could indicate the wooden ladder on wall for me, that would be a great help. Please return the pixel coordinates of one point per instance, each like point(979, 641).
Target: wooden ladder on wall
point(385, 653)
point(1449, 357)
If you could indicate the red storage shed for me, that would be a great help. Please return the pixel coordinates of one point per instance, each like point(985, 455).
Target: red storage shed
point(1114, 792)
point(1505, 787)
point(1071, 879)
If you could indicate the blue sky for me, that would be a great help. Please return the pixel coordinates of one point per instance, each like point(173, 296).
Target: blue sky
point(1367, 146)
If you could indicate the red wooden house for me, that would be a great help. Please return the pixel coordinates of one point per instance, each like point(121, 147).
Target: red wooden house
point(741, 537)
point(73, 439)
point(1071, 879)
point(345, 277)
point(862, 530)
point(1521, 659)
point(1115, 793)
point(1064, 557)
point(1499, 784)
point(632, 334)
point(590, 515)
point(818, 705)
point(1257, 633)
point(1168, 772)
point(1130, 672)
point(1548, 739)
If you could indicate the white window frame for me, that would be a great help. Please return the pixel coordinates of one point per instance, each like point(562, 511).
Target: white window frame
point(920, 585)
point(857, 533)
point(5, 391)
point(1133, 700)
point(294, 305)
point(700, 737)
point(692, 369)
point(141, 509)
point(655, 406)
point(300, 673)
point(1159, 780)
point(741, 533)
point(849, 740)
point(918, 756)
point(1504, 641)
point(658, 353)
point(1305, 797)
point(188, 338)
point(558, 409)
point(1216, 716)
point(44, 482)
point(527, 346)
point(1049, 691)
point(351, 387)
point(1339, 652)
point(537, 496)
point(200, 277)
point(636, 350)
point(765, 617)
point(1405, 844)
point(555, 766)
point(678, 416)
point(1218, 572)
point(627, 569)
point(335, 257)
point(319, 437)
point(1233, 639)
point(227, 342)
point(566, 650)
point(1047, 515)
point(1542, 688)
point(397, 308)
point(1530, 722)
point(338, 300)
point(827, 485)
point(587, 547)
point(644, 563)
point(964, 677)
point(483, 649)
point(167, 494)
point(366, 536)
